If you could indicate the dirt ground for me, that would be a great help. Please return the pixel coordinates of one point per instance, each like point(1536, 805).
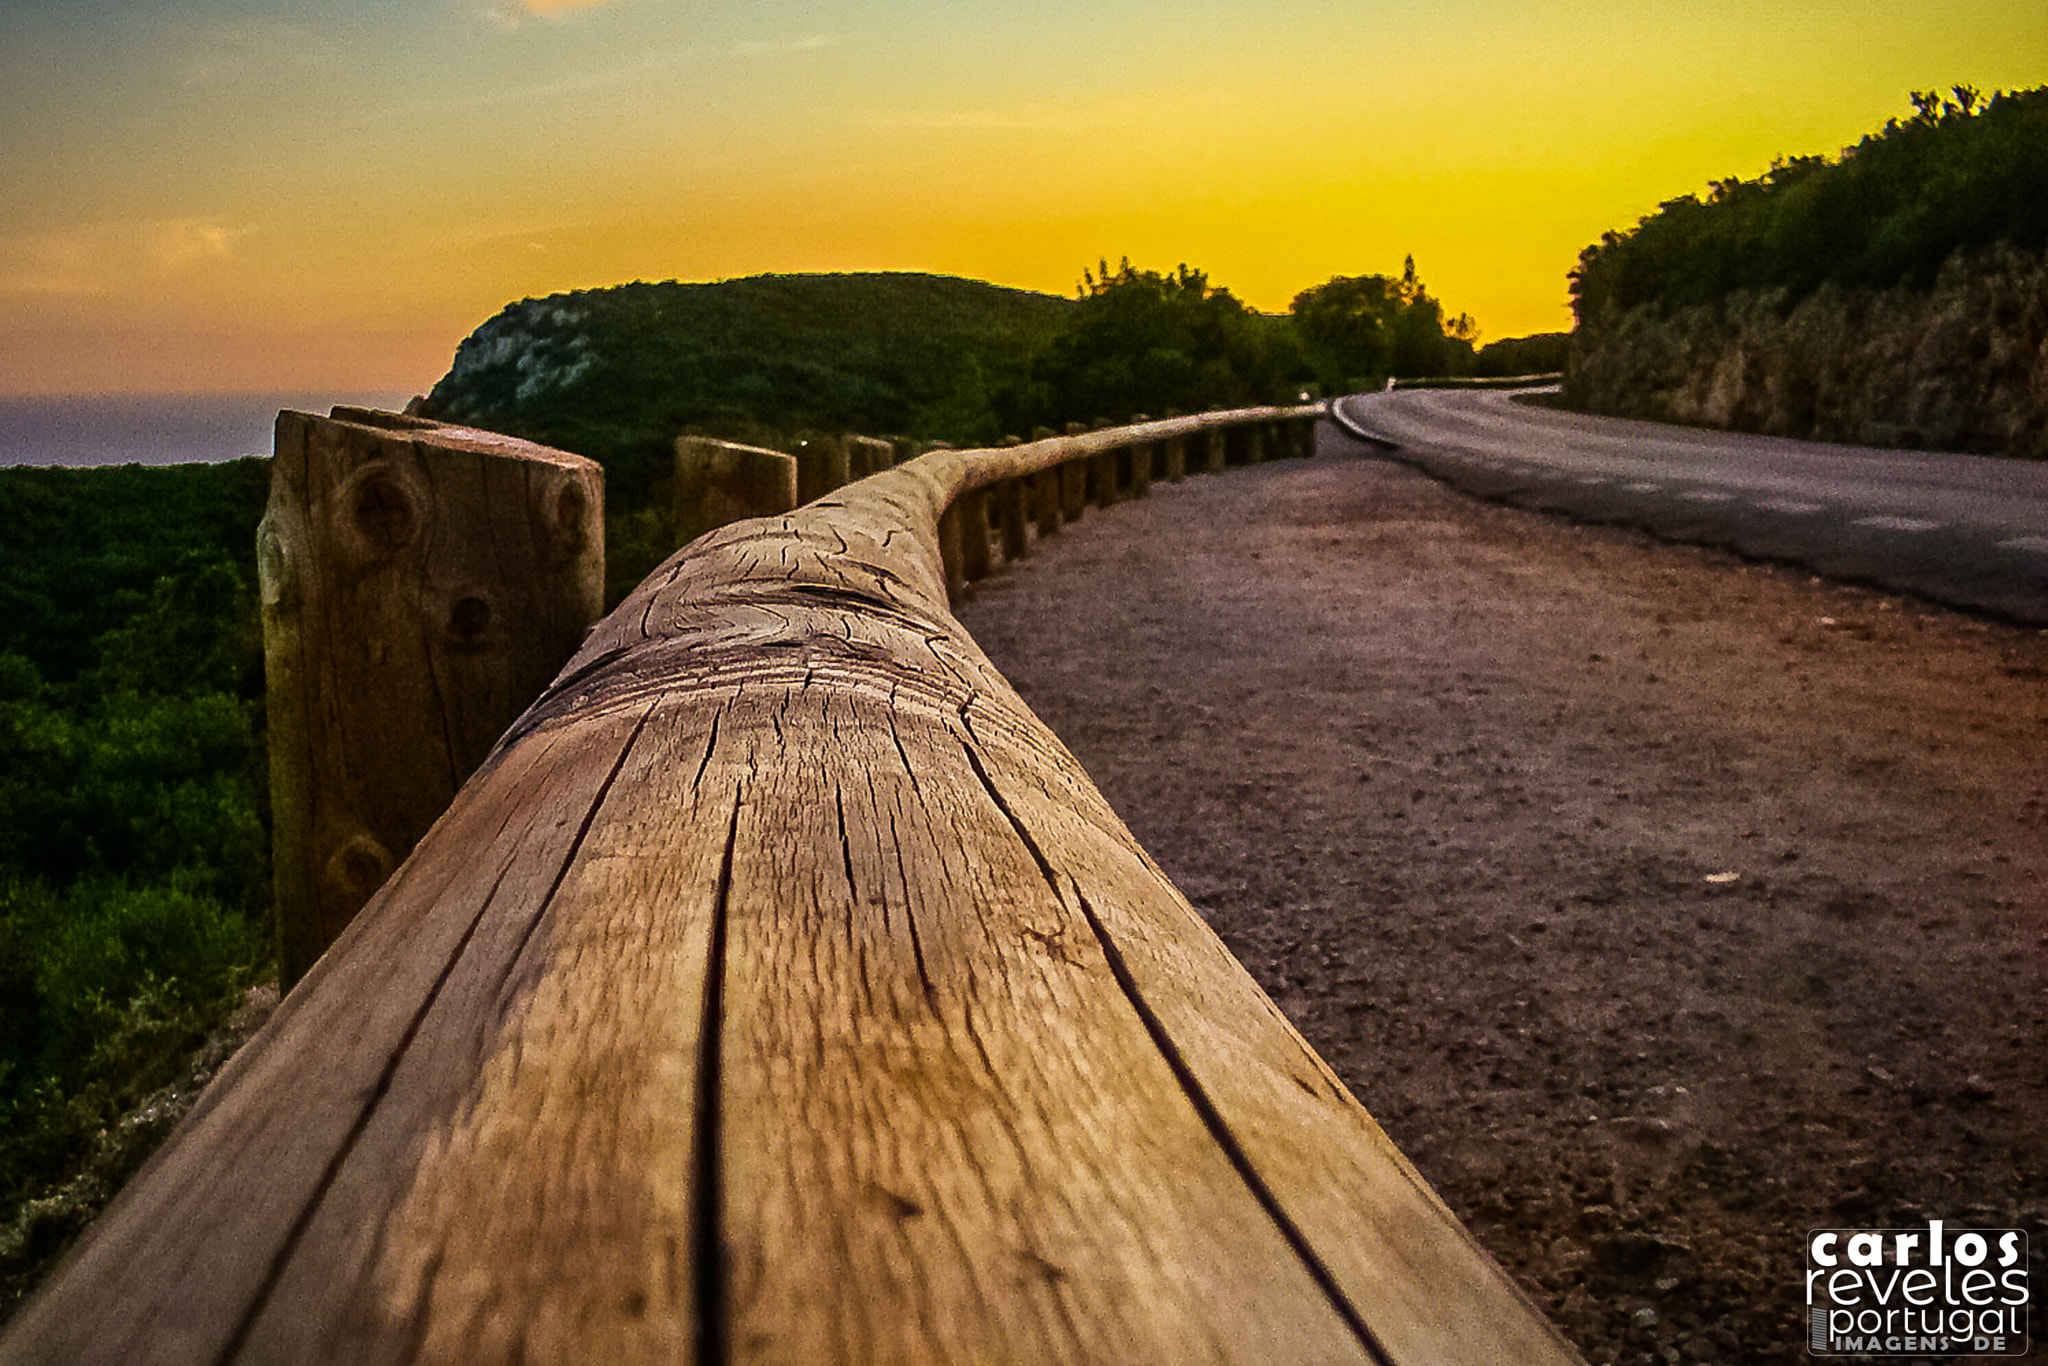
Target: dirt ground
point(1662, 907)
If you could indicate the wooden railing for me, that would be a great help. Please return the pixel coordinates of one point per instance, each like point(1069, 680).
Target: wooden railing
point(781, 990)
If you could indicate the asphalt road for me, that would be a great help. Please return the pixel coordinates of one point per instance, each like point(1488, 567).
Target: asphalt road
point(1963, 530)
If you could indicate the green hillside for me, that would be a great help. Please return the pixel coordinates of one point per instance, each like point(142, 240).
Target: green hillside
point(616, 373)
point(134, 855)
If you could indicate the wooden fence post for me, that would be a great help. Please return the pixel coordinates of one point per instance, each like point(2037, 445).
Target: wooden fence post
point(421, 585)
point(868, 455)
point(952, 555)
point(821, 466)
point(718, 482)
point(1015, 517)
point(1217, 457)
point(1074, 488)
point(975, 557)
point(1048, 492)
point(1176, 458)
point(1141, 467)
point(1102, 479)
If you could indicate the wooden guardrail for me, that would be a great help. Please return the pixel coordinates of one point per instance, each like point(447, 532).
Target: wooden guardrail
point(782, 991)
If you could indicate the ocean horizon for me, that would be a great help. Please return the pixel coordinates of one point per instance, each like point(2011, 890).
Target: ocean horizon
point(84, 430)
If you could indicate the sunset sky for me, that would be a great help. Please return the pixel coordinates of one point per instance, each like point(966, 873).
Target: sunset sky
point(227, 195)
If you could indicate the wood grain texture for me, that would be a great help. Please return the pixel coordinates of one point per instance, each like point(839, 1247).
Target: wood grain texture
point(717, 482)
point(868, 455)
point(1176, 448)
point(1013, 515)
point(1074, 488)
point(977, 549)
point(421, 584)
point(782, 991)
point(1049, 499)
point(823, 463)
point(1102, 480)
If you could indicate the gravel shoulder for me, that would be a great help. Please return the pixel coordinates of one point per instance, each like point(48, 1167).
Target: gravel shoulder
point(1660, 905)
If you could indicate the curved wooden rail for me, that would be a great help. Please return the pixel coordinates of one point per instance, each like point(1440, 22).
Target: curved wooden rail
point(781, 990)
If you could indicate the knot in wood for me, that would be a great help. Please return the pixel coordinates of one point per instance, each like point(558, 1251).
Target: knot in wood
point(380, 512)
point(566, 520)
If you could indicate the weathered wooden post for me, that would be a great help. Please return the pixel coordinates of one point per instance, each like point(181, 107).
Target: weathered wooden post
point(952, 555)
point(821, 466)
point(719, 481)
point(1176, 458)
point(1074, 480)
point(1217, 458)
point(1141, 468)
point(1102, 479)
point(421, 585)
point(1015, 518)
point(1074, 488)
point(868, 455)
point(975, 557)
point(1048, 492)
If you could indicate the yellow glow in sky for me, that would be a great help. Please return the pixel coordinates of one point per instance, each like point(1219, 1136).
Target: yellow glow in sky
point(281, 194)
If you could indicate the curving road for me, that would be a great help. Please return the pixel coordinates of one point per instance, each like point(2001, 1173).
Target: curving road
point(1969, 531)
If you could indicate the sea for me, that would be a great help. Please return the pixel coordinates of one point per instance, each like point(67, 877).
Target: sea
point(157, 429)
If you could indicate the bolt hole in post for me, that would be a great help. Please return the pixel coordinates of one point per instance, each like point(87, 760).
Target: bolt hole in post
point(469, 622)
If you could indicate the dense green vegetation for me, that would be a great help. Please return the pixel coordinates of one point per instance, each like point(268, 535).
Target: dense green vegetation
point(616, 374)
point(1541, 354)
point(1359, 329)
point(1961, 172)
point(1141, 341)
point(134, 865)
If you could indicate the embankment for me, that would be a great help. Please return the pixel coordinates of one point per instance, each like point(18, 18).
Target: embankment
point(1962, 366)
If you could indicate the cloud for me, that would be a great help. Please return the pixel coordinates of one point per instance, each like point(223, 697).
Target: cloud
point(102, 258)
point(178, 244)
point(513, 13)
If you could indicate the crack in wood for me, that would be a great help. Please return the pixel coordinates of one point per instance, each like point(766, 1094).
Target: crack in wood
point(232, 1347)
point(1198, 1096)
point(711, 1258)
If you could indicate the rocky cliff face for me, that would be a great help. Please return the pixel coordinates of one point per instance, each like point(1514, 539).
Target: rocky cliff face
point(526, 352)
point(1961, 367)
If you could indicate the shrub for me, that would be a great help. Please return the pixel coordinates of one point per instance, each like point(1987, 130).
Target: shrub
point(1961, 172)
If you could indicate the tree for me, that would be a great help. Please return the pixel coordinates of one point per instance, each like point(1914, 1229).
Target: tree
point(1962, 173)
point(1360, 328)
point(1141, 341)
